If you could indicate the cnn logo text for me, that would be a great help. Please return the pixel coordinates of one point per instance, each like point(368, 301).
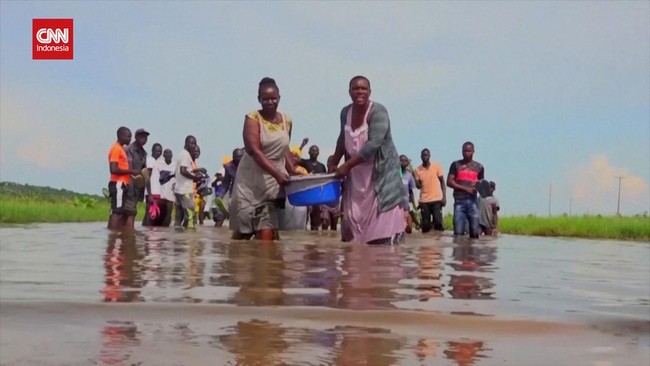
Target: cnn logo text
point(52, 39)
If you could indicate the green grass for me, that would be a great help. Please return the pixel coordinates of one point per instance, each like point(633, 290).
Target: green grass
point(17, 210)
point(22, 204)
point(588, 226)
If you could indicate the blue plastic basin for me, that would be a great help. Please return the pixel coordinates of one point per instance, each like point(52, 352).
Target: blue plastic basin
point(319, 195)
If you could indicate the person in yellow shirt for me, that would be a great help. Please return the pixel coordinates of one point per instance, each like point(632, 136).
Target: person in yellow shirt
point(199, 200)
point(430, 180)
point(296, 153)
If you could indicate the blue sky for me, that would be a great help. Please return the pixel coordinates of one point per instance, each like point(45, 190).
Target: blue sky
point(551, 93)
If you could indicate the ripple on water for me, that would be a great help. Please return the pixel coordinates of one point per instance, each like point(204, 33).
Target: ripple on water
point(76, 262)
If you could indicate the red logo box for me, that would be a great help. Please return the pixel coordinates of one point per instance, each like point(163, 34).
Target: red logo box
point(52, 39)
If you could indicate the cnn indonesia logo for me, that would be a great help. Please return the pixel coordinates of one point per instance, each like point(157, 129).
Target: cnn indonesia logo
point(52, 39)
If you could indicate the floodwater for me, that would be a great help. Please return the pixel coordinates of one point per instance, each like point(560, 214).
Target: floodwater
point(77, 294)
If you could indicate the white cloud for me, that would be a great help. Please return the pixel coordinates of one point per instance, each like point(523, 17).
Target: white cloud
point(54, 128)
point(595, 187)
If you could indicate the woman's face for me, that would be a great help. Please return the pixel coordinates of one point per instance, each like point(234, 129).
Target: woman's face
point(404, 161)
point(360, 92)
point(269, 98)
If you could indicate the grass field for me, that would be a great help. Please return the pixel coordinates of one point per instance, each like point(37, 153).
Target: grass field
point(23, 210)
point(588, 226)
point(21, 204)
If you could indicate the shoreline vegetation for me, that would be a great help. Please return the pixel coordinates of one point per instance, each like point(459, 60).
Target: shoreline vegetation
point(26, 204)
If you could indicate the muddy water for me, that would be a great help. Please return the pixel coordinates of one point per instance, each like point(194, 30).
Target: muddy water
point(75, 294)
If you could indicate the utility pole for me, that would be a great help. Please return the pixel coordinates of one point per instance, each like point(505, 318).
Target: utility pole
point(570, 204)
point(618, 202)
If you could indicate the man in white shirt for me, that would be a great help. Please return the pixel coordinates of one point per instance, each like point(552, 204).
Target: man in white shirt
point(184, 187)
point(162, 183)
point(156, 153)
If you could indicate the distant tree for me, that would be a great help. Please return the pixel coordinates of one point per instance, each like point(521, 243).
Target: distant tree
point(45, 193)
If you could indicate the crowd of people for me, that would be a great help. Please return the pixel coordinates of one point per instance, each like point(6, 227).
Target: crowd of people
point(377, 205)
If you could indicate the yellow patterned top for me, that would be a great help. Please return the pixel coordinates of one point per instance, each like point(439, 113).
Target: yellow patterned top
point(270, 126)
point(300, 170)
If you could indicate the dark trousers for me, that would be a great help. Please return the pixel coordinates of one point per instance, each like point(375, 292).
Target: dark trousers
point(165, 216)
point(146, 221)
point(431, 210)
point(314, 217)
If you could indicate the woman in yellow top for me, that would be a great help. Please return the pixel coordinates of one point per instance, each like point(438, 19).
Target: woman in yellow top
point(263, 169)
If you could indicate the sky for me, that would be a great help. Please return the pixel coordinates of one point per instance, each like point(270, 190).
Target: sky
point(554, 95)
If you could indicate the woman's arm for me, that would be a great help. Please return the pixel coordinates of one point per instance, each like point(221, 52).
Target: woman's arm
point(378, 126)
point(253, 147)
point(288, 163)
point(288, 158)
point(339, 151)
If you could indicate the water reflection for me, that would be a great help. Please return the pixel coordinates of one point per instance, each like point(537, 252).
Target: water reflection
point(258, 272)
point(368, 346)
point(469, 259)
point(161, 265)
point(465, 353)
point(316, 269)
point(256, 342)
point(122, 266)
point(371, 273)
point(118, 342)
point(426, 350)
point(429, 272)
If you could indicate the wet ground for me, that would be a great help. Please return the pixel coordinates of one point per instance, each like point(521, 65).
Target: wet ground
point(76, 294)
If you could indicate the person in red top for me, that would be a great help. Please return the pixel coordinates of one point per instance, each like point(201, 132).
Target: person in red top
point(462, 178)
point(123, 204)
